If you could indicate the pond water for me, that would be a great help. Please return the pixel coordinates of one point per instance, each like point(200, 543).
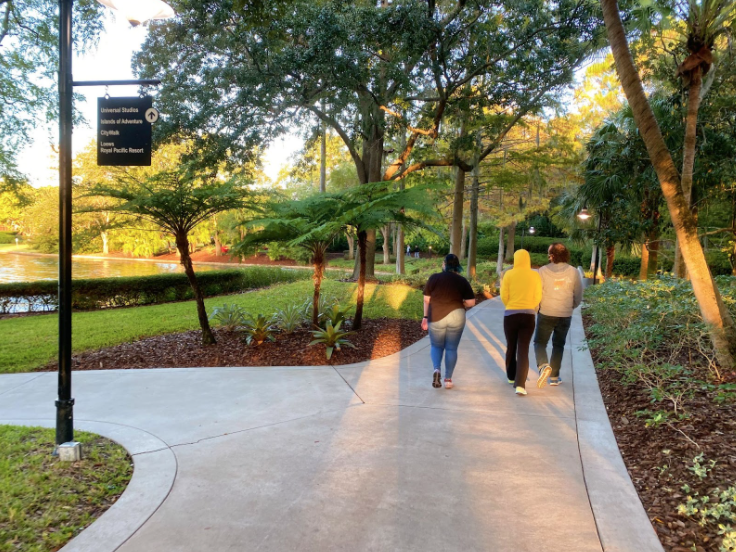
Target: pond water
point(19, 267)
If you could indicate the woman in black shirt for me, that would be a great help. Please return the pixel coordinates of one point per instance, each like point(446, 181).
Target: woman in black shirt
point(447, 296)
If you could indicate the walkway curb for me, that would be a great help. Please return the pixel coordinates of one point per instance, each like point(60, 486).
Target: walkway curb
point(622, 522)
point(153, 477)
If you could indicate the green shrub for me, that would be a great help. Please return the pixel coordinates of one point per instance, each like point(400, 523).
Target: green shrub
point(229, 317)
point(290, 318)
point(97, 293)
point(332, 337)
point(7, 237)
point(258, 329)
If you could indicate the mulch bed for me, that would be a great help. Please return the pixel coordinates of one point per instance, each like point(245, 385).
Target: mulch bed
point(378, 338)
point(658, 458)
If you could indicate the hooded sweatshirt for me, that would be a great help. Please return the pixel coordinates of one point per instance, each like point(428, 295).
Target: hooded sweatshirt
point(521, 287)
point(562, 290)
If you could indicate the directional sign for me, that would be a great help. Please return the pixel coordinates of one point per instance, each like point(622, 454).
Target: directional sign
point(124, 131)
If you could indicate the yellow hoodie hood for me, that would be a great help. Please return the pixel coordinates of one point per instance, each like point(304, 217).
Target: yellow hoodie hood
point(522, 259)
point(521, 287)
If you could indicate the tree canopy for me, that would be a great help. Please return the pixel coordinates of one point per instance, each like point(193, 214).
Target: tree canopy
point(29, 62)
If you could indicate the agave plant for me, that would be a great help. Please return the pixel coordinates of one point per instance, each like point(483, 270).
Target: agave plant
point(324, 304)
point(334, 315)
point(258, 329)
point(229, 317)
point(332, 337)
point(289, 318)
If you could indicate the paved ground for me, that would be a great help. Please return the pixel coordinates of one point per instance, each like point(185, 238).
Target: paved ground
point(366, 457)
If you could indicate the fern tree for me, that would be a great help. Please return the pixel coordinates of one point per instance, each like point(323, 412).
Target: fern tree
point(177, 201)
point(297, 223)
point(370, 207)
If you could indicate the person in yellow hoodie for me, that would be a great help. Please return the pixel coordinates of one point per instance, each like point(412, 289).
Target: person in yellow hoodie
point(521, 293)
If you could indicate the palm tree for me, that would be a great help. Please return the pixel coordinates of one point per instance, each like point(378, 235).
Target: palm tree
point(177, 202)
point(298, 223)
point(706, 21)
point(369, 207)
point(715, 315)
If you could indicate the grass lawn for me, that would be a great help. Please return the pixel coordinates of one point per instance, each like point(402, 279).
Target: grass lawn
point(44, 502)
point(11, 247)
point(28, 343)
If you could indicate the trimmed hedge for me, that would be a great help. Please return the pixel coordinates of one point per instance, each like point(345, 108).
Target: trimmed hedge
point(7, 237)
point(99, 293)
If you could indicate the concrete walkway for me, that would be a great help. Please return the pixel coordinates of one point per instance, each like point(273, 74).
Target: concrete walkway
point(364, 457)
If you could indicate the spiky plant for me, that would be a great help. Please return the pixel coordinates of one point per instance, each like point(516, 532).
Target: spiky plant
point(258, 329)
point(332, 337)
point(229, 317)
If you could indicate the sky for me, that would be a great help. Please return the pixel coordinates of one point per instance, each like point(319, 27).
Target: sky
point(111, 60)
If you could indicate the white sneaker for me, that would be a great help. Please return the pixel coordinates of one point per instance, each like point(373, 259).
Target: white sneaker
point(520, 391)
point(448, 383)
point(544, 371)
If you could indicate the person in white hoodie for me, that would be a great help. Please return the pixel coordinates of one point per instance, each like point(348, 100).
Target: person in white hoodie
point(562, 292)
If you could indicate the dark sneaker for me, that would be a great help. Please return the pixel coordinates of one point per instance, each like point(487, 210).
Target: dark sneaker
point(436, 381)
point(544, 371)
point(554, 382)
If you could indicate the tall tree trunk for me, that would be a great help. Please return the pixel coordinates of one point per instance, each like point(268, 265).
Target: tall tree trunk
point(473, 230)
point(362, 249)
point(318, 262)
point(457, 212)
point(610, 256)
point(463, 241)
point(369, 256)
point(653, 252)
point(323, 158)
point(715, 315)
point(474, 191)
point(386, 231)
point(351, 245)
point(182, 244)
point(400, 250)
point(644, 266)
point(499, 258)
point(105, 244)
point(653, 241)
point(510, 234)
point(688, 151)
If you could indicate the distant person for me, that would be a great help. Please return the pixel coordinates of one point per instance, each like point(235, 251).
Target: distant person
point(521, 291)
point(416, 251)
point(408, 250)
point(562, 292)
point(447, 296)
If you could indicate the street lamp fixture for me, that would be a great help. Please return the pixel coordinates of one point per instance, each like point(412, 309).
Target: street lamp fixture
point(584, 216)
point(532, 230)
point(137, 12)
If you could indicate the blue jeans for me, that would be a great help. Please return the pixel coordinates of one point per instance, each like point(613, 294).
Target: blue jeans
point(444, 337)
point(554, 326)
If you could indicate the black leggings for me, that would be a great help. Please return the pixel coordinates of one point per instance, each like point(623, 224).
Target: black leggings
point(518, 329)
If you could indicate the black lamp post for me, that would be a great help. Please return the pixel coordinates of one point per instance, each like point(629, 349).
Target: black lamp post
point(523, 230)
point(155, 9)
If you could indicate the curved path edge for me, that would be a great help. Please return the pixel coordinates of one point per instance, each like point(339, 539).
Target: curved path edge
point(622, 522)
point(153, 477)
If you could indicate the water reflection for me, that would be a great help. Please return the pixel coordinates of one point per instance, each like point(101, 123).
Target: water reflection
point(19, 267)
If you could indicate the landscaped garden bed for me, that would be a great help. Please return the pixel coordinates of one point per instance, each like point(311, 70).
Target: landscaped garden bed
point(44, 503)
point(672, 409)
point(377, 338)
